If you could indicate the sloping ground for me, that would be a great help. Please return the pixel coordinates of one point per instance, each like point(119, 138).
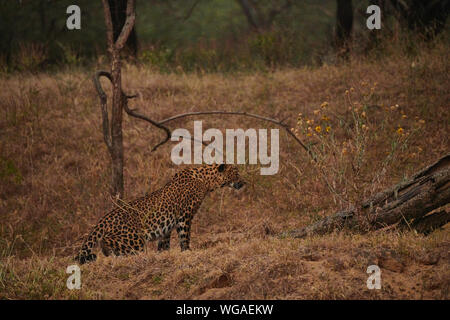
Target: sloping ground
point(236, 265)
point(54, 184)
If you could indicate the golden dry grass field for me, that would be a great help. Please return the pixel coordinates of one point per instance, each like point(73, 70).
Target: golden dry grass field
point(372, 123)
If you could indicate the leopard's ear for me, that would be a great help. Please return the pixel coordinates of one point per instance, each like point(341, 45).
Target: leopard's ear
point(221, 168)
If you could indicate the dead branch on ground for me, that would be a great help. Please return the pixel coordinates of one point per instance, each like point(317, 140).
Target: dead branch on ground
point(408, 204)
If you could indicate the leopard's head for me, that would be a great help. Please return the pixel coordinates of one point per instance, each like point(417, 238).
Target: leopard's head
point(221, 175)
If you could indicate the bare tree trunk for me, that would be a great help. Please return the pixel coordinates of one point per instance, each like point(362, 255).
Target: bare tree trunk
point(112, 131)
point(344, 26)
point(375, 35)
point(408, 203)
point(118, 14)
point(116, 127)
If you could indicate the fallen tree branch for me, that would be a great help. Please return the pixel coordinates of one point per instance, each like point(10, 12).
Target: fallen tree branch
point(240, 113)
point(430, 222)
point(408, 202)
point(161, 124)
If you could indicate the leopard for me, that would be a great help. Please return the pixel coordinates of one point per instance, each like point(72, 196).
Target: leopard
point(127, 228)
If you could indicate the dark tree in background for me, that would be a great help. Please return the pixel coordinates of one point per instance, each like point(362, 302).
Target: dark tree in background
point(424, 17)
point(112, 128)
point(261, 15)
point(118, 15)
point(375, 35)
point(344, 26)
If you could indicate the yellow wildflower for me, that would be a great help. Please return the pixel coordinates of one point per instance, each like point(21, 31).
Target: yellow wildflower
point(318, 129)
point(400, 130)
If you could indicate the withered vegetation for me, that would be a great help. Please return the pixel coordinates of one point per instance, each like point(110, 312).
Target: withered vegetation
point(55, 174)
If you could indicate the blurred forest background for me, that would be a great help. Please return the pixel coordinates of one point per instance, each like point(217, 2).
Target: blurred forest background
point(210, 35)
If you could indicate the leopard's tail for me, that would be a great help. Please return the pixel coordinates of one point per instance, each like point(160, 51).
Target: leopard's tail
point(85, 255)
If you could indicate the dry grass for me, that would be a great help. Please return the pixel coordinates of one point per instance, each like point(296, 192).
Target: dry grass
point(54, 184)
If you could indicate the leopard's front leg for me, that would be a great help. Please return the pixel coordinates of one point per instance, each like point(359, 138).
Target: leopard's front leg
point(184, 232)
point(190, 207)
